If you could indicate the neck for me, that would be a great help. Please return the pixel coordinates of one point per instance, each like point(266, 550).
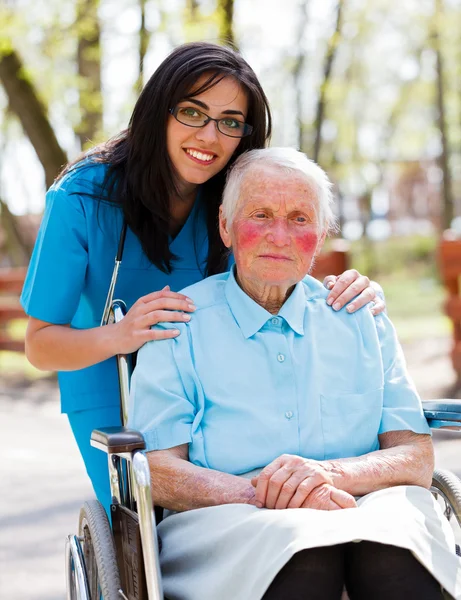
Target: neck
point(180, 207)
point(270, 297)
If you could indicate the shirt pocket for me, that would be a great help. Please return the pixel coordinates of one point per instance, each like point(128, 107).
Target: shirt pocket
point(350, 423)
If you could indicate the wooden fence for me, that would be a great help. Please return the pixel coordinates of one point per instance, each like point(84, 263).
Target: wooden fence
point(333, 262)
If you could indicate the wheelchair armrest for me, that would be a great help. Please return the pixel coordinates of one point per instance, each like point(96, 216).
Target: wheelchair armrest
point(443, 413)
point(116, 440)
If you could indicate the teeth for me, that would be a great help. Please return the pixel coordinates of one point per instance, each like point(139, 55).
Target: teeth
point(200, 155)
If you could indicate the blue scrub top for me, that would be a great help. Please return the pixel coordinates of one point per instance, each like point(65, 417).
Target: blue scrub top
point(242, 386)
point(71, 268)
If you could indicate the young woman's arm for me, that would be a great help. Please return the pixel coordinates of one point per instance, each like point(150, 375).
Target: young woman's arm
point(52, 347)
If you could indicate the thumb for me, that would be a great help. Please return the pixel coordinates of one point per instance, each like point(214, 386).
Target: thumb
point(329, 281)
point(342, 498)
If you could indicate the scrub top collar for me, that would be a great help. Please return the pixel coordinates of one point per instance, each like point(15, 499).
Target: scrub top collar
point(251, 317)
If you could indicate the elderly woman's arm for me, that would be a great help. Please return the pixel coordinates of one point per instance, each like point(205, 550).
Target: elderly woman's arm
point(405, 458)
point(179, 485)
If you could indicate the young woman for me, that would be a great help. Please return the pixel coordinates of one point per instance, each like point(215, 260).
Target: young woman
point(163, 177)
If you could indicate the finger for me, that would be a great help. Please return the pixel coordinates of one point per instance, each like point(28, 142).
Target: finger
point(342, 498)
point(329, 281)
point(368, 295)
point(353, 290)
point(378, 307)
point(342, 282)
point(166, 304)
point(163, 316)
point(263, 481)
point(166, 288)
point(320, 499)
point(276, 482)
point(304, 489)
point(161, 334)
point(288, 489)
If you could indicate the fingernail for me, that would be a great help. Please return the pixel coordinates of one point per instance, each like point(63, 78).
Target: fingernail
point(189, 300)
point(191, 306)
point(175, 331)
point(336, 305)
point(330, 301)
point(258, 504)
point(350, 307)
point(186, 317)
point(330, 285)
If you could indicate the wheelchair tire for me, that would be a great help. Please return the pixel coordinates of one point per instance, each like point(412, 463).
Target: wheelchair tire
point(449, 486)
point(99, 552)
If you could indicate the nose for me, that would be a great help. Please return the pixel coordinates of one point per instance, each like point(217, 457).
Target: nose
point(278, 233)
point(208, 133)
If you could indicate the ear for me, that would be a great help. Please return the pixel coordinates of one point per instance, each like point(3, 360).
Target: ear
point(223, 230)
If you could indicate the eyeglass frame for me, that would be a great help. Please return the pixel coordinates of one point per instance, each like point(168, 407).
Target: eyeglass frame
point(248, 128)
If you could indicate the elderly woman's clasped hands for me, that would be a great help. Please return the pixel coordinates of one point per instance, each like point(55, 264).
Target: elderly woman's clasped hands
point(292, 481)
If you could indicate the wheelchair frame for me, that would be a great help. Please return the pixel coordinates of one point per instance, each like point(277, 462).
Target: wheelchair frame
point(131, 492)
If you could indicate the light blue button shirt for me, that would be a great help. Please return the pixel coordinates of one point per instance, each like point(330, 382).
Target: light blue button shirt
point(242, 386)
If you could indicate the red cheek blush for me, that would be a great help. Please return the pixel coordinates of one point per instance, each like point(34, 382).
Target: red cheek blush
point(306, 241)
point(248, 234)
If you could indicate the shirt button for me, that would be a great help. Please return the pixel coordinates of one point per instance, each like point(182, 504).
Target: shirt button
point(280, 357)
point(289, 414)
point(274, 321)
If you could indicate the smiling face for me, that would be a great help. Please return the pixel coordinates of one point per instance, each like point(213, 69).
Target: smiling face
point(275, 234)
point(199, 153)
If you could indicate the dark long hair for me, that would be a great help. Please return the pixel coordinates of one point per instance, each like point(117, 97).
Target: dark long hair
point(141, 176)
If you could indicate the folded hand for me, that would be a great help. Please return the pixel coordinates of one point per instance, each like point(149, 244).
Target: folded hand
point(294, 482)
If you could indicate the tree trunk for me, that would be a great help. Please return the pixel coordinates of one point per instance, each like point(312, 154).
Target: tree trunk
point(444, 158)
point(144, 38)
point(226, 10)
point(25, 103)
point(17, 250)
point(332, 47)
point(89, 129)
point(298, 72)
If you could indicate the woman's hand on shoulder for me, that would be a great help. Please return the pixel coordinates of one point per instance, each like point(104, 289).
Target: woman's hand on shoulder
point(163, 306)
point(291, 481)
point(352, 290)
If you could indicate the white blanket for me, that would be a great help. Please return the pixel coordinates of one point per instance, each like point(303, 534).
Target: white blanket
point(234, 551)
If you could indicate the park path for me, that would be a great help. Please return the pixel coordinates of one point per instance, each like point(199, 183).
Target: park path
point(43, 483)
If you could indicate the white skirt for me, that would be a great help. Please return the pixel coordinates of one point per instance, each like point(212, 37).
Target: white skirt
point(234, 551)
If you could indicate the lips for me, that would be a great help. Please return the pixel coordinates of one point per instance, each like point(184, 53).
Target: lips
point(201, 157)
point(274, 257)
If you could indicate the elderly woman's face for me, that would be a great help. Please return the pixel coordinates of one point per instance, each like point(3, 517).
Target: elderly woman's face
point(275, 233)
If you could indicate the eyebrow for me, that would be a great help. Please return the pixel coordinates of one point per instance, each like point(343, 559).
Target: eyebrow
point(206, 107)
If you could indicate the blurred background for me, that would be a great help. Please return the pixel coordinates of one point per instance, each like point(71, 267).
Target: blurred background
point(371, 89)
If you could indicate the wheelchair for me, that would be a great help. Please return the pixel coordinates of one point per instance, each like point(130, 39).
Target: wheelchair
point(121, 561)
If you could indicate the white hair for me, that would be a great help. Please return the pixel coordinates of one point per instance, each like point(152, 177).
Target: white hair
point(289, 161)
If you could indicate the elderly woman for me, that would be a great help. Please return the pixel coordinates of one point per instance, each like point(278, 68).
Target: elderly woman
point(280, 433)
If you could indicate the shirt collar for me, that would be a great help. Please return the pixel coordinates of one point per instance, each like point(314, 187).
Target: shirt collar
point(251, 317)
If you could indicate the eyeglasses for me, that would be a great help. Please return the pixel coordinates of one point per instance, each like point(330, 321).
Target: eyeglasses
point(190, 116)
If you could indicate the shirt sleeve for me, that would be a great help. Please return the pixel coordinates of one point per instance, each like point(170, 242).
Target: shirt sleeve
point(160, 407)
point(402, 407)
point(57, 268)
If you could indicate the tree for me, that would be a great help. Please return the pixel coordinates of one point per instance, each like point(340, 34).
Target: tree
point(332, 48)
point(444, 157)
point(25, 103)
point(226, 21)
point(89, 70)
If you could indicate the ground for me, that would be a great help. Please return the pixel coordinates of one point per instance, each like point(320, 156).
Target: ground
point(44, 484)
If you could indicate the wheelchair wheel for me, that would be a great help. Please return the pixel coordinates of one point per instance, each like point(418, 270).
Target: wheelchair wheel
point(99, 552)
point(448, 486)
